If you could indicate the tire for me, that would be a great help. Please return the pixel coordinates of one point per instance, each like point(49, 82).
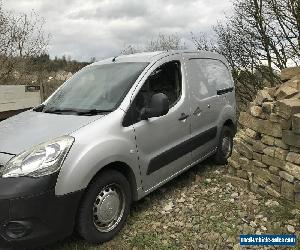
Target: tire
point(224, 152)
point(104, 207)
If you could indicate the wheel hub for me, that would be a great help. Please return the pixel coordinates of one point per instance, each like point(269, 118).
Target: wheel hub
point(108, 208)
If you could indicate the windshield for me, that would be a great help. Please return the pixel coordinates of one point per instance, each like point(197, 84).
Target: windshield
point(99, 87)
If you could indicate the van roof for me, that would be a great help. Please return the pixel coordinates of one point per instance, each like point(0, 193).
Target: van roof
point(154, 56)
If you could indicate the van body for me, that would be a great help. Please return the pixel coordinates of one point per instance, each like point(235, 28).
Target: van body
point(117, 130)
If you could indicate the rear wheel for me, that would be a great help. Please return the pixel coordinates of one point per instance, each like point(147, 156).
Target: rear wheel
point(105, 207)
point(225, 145)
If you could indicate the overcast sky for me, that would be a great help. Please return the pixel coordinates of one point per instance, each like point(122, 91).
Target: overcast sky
point(86, 28)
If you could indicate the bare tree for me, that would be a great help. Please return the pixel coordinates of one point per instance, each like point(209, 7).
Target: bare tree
point(21, 36)
point(129, 49)
point(258, 39)
point(161, 42)
point(165, 42)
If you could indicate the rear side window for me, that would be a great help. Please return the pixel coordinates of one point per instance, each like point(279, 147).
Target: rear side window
point(208, 76)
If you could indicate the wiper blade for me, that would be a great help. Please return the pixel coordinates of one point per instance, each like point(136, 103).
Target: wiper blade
point(93, 112)
point(77, 111)
point(59, 111)
point(39, 108)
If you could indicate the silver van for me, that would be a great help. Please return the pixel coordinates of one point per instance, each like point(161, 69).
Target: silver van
point(117, 130)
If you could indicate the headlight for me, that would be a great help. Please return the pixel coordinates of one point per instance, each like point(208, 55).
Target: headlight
point(41, 160)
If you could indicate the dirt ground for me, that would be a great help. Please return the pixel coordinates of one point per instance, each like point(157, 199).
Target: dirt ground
point(198, 210)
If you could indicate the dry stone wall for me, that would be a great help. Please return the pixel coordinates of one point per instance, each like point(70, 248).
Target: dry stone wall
point(266, 153)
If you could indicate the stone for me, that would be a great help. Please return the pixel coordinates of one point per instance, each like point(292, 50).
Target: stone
point(234, 195)
point(284, 123)
point(257, 111)
point(271, 91)
point(253, 224)
point(260, 181)
point(244, 149)
point(293, 157)
point(259, 164)
point(269, 140)
point(297, 199)
point(258, 146)
point(292, 169)
point(263, 126)
point(275, 118)
point(286, 176)
point(291, 138)
point(248, 140)
point(262, 173)
point(285, 91)
point(290, 229)
point(276, 187)
point(274, 170)
point(262, 191)
point(289, 73)
point(272, 203)
point(267, 107)
point(280, 153)
point(242, 174)
point(252, 134)
point(287, 190)
point(271, 161)
point(272, 192)
point(231, 170)
point(294, 149)
point(257, 156)
point(297, 186)
point(280, 143)
point(296, 123)
point(270, 151)
point(254, 187)
point(287, 107)
point(275, 179)
point(238, 182)
point(244, 161)
point(233, 164)
point(262, 96)
point(248, 168)
point(235, 155)
point(245, 164)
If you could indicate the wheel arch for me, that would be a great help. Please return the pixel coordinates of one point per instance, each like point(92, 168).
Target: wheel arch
point(124, 169)
point(229, 123)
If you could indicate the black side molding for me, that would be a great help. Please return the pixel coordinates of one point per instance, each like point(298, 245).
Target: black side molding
point(180, 150)
point(224, 91)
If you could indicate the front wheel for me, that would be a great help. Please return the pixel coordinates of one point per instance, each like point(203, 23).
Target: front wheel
point(104, 207)
point(225, 145)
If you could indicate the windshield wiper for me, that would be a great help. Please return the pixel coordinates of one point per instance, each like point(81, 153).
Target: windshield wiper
point(77, 111)
point(39, 108)
point(93, 112)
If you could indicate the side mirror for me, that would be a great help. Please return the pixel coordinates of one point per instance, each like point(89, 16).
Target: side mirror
point(159, 106)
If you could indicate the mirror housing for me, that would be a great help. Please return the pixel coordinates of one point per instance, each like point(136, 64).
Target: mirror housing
point(159, 106)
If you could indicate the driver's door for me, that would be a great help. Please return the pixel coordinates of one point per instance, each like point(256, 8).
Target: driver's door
point(161, 141)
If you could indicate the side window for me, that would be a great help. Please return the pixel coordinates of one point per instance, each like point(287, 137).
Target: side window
point(164, 79)
point(218, 74)
point(207, 76)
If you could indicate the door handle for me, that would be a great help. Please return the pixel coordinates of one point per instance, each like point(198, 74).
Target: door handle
point(197, 111)
point(183, 117)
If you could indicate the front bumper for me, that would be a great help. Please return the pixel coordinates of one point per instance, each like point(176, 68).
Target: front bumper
point(32, 215)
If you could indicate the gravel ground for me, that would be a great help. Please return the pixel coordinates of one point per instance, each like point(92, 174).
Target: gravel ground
point(198, 210)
